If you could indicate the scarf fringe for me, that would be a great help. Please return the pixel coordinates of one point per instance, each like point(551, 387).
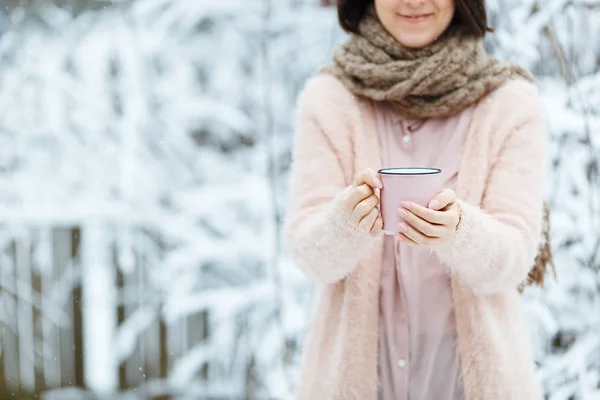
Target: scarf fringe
point(544, 257)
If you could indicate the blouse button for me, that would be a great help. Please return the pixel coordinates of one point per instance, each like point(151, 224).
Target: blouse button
point(402, 363)
point(406, 139)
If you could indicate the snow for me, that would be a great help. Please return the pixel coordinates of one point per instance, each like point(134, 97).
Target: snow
point(162, 130)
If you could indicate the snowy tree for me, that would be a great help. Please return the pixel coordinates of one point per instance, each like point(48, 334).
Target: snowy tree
point(135, 128)
point(553, 40)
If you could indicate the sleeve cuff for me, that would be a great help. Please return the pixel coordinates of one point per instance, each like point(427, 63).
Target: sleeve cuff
point(342, 226)
point(457, 252)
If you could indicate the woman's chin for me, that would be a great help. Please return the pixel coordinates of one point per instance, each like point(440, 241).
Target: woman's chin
point(415, 41)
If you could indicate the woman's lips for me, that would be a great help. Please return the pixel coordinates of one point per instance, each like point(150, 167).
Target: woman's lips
point(415, 19)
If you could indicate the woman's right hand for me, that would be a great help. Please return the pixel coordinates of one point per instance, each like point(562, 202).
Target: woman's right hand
point(361, 205)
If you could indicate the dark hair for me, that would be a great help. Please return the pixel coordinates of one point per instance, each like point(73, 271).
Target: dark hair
point(469, 13)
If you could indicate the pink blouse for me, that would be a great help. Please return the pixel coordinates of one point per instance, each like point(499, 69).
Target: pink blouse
point(418, 358)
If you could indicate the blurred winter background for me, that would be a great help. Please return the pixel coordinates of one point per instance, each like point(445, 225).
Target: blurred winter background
point(144, 155)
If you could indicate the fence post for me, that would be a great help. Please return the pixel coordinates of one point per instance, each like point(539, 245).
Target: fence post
point(99, 310)
point(9, 359)
point(25, 313)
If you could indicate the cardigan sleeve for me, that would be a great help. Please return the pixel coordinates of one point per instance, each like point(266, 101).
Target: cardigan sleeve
point(319, 237)
point(495, 244)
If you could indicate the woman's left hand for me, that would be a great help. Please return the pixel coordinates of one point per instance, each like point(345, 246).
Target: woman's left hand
point(432, 225)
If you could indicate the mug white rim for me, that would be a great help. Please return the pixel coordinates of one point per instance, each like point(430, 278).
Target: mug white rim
point(409, 171)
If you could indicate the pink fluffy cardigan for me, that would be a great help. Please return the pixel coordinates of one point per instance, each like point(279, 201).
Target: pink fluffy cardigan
point(500, 184)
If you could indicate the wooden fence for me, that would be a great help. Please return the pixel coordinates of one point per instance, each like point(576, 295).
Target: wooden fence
point(54, 333)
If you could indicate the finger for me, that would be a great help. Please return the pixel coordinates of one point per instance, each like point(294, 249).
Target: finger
point(377, 227)
point(455, 212)
point(366, 223)
point(445, 198)
point(363, 208)
point(415, 236)
point(429, 215)
point(422, 226)
point(357, 195)
point(369, 177)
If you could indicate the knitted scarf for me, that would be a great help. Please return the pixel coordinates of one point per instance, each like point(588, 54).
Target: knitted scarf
point(439, 80)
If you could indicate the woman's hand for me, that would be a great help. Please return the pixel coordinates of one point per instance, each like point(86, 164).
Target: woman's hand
point(361, 205)
point(432, 225)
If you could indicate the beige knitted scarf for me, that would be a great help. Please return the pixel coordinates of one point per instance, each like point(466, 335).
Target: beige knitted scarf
point(439, 80)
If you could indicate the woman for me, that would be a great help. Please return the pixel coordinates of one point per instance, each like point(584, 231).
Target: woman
point(434, 313)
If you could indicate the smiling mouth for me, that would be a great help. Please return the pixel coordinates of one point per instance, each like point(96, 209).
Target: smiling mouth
point(415, 18)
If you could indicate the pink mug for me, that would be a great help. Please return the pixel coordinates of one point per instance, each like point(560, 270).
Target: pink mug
point(417, 185)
